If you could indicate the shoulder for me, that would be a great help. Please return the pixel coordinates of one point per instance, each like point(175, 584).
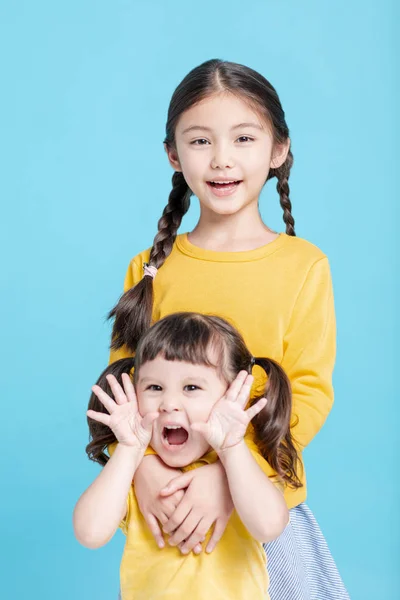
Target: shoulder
point(304, 249)
point(301, 256)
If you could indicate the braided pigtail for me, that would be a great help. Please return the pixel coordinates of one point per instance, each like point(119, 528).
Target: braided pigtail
point(272, 424)
point(134, 309)
point(282, 173)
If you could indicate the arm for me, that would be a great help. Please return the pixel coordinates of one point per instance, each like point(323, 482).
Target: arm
point(102, 506)
point(309, 353)
point(258, 502)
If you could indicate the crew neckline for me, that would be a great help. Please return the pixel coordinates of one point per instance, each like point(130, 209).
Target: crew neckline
point(185, 246)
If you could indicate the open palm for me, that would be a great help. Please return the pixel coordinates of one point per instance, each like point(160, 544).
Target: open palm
point(228, 421)
point(128, 425)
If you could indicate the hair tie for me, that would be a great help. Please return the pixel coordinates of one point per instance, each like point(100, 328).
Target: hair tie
point(252, 361)
point(149, 271)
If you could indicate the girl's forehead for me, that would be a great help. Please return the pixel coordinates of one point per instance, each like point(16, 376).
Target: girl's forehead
point(223, 109)
point(177, 369)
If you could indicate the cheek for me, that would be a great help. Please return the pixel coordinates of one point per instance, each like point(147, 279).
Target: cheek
point(147, 405)
point(199, 411)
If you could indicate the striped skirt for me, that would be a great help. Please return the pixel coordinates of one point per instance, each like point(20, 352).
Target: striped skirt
point(300, 565)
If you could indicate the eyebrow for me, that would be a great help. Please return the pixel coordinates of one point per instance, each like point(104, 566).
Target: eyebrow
point(240, 126)
point(189, 378)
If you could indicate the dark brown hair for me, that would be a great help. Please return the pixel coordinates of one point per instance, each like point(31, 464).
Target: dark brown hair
point(134, 309)
point(211, 341)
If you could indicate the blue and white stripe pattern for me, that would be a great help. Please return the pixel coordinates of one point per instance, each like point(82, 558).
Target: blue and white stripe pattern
point(300, 565)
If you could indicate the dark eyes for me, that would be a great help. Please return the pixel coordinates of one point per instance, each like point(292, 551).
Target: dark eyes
point(203, 142)
point(191, 388)
point(158, 388)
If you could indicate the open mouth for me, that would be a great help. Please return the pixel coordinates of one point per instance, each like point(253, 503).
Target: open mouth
point(220, 185)
point(224, 188)
point(174, 435)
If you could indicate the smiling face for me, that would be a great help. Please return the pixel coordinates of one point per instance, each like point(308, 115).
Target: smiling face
point(225, 150)
point(183, 394)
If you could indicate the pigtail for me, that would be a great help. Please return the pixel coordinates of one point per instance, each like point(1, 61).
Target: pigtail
point(100, 435)
point(272, 424)
point(134, 309)
point(282, 173)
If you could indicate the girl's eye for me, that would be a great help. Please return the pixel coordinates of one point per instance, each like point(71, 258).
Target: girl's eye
point(191, 388)
point(200, 142)
point(245, 138)
point(154, 388)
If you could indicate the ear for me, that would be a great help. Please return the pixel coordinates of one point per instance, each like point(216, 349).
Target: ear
point(279, 154)
point(173, 157)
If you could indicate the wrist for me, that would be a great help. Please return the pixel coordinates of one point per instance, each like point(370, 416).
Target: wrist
point(231, 454)
point(131, 454)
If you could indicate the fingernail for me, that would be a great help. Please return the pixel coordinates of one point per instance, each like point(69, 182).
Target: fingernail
point(184, 550)
point(161, 544)
point(209, 549)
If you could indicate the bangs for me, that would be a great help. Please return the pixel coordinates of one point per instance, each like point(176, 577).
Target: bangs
point(184, 337)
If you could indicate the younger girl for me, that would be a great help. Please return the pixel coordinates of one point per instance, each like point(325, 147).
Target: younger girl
point(191, 387)
point(227, 135)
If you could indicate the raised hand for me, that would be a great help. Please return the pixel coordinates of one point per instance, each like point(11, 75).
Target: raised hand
point(228, 420)
point(129, 427)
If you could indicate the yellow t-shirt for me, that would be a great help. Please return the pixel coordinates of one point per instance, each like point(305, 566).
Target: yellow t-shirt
point(235, 570)
point(280, 298)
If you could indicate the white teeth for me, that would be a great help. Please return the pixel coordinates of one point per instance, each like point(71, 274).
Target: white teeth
point(173, 427)
point(224, 182)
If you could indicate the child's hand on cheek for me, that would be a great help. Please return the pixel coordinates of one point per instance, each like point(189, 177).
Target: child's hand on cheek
point(229, 420)
point(124, 419)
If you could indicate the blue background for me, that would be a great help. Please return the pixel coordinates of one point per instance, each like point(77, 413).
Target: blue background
point(85, 90)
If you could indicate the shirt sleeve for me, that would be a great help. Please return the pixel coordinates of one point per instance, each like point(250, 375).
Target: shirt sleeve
point(132, 277)
point(309, 353)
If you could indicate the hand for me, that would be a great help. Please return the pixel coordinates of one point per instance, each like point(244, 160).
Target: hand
point(207, 501)
point(228, 421)
point(129, 427)
point(151, 475)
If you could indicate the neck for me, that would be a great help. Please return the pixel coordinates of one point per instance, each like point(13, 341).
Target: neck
point(244, 230)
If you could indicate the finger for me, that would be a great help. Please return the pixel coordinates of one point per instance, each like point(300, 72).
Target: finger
point(178, 483)
point(201, 428)
point(198, 549)
point(185, 530)
point(198, 536)
point(170, 503)
point(236, 386)
point(256, 408)
point(162, 517)
point(219, 529)
point(104, 398)
point(129, 389)
point(100, 417)
point(148, 420)
point(118, 392)
point(244, 393)
point(155, 530)
point(178, 517)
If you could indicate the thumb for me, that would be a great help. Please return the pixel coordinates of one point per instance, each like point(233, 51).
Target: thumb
point(201, 428)
point(148, 420)
point(178, 483)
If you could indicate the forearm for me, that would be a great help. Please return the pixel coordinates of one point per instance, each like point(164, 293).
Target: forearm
point(101, 507)
point(258, 502)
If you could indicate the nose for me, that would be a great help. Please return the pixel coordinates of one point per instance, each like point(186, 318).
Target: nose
point(222, 158)
point(169, 403)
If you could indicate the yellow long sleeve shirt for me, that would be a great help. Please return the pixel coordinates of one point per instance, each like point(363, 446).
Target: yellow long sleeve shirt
point(280, 298)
